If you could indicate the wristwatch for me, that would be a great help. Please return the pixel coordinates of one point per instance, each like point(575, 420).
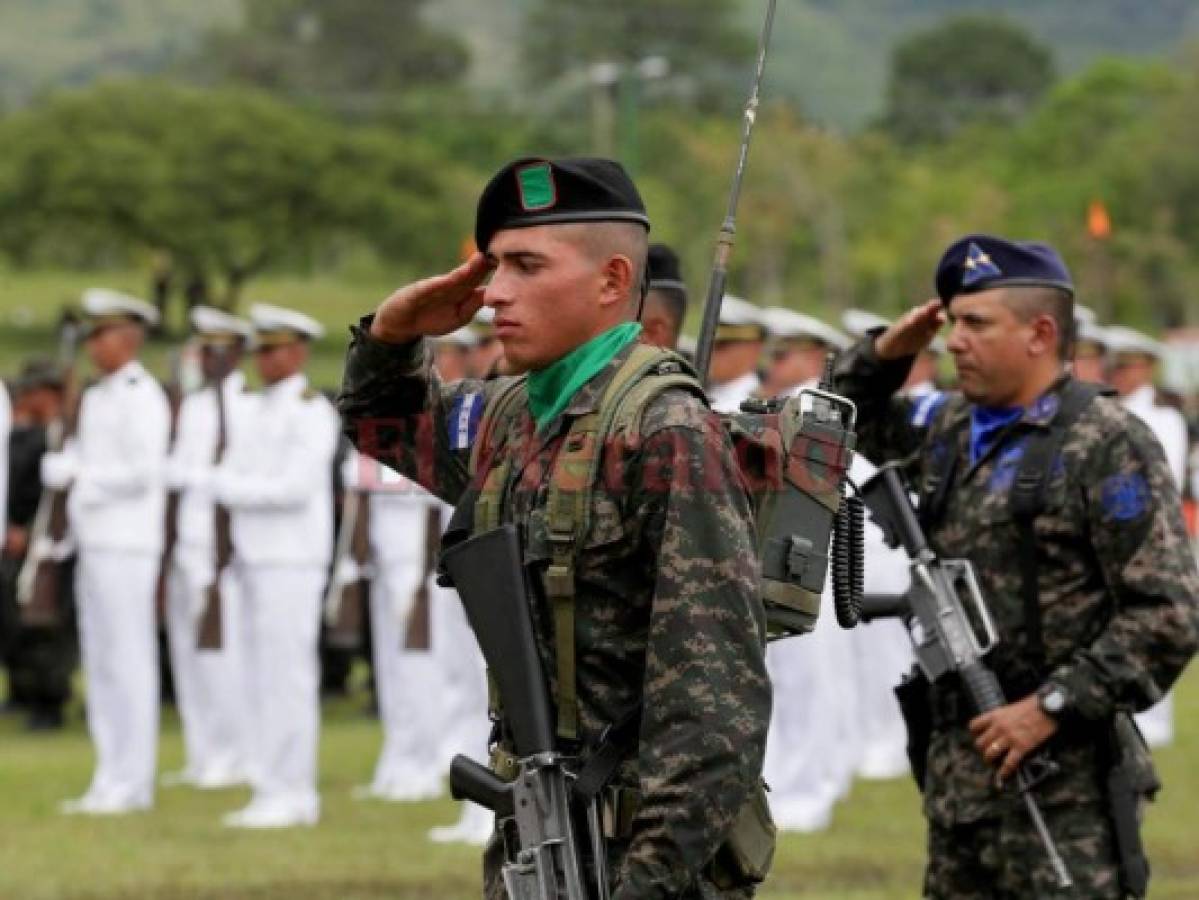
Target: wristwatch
point(1052, 698)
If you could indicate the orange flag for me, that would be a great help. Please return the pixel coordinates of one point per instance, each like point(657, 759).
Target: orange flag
point(1099, 223)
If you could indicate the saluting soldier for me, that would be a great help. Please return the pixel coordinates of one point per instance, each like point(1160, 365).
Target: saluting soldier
point(660, 627)
point(209, 682)
point(277, 481)
point(1063, 501)
point(114, 469)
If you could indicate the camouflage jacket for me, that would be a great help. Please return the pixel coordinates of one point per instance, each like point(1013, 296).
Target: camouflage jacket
point(667, 612)
point(1115, 569)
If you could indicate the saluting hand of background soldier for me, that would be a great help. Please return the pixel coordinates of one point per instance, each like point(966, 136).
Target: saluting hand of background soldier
point(911, 332)
point(433, 306)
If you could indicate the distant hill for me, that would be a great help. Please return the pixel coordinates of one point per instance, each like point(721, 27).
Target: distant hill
point(829, 56)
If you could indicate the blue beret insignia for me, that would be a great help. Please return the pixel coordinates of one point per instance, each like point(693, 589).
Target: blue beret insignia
point(1124, 497)
point(978, 266)
point(463, 422)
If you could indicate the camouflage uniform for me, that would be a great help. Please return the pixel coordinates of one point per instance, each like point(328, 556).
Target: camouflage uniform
point(667, 612)
point(1117, 583)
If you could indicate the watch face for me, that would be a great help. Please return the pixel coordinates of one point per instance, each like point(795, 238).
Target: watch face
point(1054, 700)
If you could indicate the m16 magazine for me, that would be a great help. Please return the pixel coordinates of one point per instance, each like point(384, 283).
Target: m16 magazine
point(545, 863)
point(950, 626)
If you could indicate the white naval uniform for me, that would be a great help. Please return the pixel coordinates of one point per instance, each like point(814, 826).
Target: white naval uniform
point(412, 696)
point(209, 684)
point(277, 482)
point(115, 508)
point(728, 397)
point(829, 718)
point(1167, 423)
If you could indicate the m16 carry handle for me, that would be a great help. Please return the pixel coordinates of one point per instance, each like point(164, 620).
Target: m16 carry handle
point(488, 572)
point(950, 627)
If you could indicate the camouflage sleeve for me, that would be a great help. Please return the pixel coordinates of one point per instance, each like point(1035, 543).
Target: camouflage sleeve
point(888, 426)
point(395, 409)
point(1139, 539)
point(706, 692)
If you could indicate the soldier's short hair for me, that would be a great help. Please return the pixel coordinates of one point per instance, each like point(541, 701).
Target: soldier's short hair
point(1031, 301)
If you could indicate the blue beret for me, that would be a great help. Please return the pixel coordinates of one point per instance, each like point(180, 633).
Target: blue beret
point(979, 262)
point(537, 191)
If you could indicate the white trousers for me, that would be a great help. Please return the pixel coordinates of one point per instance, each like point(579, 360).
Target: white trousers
point(1157, 722)
point(412, 695)
point(280, 622)
point(210, 685)
point(120, 662)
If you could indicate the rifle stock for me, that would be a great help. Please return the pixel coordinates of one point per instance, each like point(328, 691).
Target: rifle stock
point(418, 633)
point(210, 629)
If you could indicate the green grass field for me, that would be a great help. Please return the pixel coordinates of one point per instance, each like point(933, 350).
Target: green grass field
point(362, 851)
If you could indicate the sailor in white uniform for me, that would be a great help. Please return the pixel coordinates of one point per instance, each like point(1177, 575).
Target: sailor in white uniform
point(209, 683)
point(276, 480)
point(833, 710)
point(736, 355)
point(1132, 359)
point(114, 468)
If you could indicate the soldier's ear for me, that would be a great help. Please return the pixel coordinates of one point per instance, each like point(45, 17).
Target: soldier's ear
point(1044, 335)
point(617, 280)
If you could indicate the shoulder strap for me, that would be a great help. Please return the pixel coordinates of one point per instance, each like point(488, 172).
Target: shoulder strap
point(646, 373)
point(498, 416)
point(1027, 501)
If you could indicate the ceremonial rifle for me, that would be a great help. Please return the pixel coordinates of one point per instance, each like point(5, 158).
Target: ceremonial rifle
point(208, 635)
point(417, 635)
point(38, 582)
point(345, 597)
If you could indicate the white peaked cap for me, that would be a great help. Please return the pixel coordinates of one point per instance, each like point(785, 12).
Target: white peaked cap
point(462, 337)
point(100, 302)
point(1121, 339)
point(858, 321)
point(787, 323)
point(736, 311)
point(275, 318)
point(210, 320)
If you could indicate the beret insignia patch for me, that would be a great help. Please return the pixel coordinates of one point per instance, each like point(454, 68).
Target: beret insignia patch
point(1124, 497)
point(978, 266)
point(537, 189)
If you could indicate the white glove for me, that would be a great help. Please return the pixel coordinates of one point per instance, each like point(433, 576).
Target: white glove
point(59, 470)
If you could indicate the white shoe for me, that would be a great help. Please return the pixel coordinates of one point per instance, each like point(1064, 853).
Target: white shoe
point(98, 805)
point(217, 779)
point(803, 815)
point(882, 762)
point(270, 814)
point(399, 791)
point(474, 827)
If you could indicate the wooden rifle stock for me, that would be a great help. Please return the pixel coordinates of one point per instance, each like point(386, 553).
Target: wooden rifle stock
point(170, 525)
point(417, 635)
point(208, 635)
point(345, 630)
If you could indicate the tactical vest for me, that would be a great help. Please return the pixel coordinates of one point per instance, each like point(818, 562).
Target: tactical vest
point(646, 373)
point(1026, 500)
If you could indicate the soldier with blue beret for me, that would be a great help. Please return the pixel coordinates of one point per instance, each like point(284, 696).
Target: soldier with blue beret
point(1063, 501)
point(650, 620)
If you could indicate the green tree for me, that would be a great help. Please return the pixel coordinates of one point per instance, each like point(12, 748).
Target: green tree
point(350, 54)
point(701, 40)
point(226, 182)
point(972, 69)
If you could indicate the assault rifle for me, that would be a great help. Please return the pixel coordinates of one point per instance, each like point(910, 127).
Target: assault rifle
point(950, 626)
point(544, 861)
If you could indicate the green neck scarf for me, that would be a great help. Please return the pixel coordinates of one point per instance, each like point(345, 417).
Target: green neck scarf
point(551, 389)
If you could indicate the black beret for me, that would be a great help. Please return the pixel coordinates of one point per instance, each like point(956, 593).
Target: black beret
point(536, 191)
point(979, 262)
point(664, 271)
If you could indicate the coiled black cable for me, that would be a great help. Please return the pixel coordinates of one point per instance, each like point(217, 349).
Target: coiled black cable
point(848, 558)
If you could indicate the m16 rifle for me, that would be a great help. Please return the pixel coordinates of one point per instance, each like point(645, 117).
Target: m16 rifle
point(535, 810)
point(950, 626)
